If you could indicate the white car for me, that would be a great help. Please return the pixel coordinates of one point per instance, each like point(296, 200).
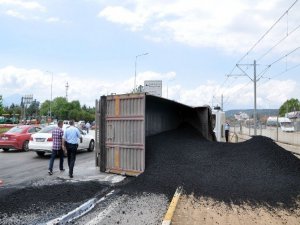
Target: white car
point(41, 142)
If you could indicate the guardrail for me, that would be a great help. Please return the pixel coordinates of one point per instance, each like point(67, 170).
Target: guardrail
point(275, 133)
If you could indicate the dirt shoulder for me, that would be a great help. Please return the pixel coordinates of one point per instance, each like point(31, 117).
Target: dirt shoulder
point(191, 210)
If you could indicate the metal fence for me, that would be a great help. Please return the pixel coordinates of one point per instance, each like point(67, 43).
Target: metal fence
point(275, 133)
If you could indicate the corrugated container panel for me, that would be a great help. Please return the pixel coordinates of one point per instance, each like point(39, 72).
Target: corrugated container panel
point(125, 105)
point(125, 133)
point(97, 133)
point(132, 159)
point(125, 159)
point(110, 158)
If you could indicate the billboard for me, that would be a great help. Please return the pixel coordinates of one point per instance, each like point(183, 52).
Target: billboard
point(153, 87)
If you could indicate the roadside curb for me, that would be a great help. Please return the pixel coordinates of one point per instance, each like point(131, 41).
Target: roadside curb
point(168, 217)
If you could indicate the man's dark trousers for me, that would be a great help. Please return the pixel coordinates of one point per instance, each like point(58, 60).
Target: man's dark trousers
point(61, 159)
point(71, 149)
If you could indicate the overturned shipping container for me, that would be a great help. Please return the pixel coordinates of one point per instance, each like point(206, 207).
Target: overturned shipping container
point(124, 121)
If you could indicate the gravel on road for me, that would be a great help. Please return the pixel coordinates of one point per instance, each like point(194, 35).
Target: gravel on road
point(256, 171)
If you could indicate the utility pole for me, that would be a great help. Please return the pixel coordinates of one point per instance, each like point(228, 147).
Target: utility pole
point(50, 109)
point(254, 80)
point(222, 103)
point(136, 57)
point(67, 87)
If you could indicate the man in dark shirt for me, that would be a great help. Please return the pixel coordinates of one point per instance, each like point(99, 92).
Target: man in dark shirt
point(57, 135)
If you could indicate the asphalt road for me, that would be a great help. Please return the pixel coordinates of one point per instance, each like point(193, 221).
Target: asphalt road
point(19, 168)
point(28, 195)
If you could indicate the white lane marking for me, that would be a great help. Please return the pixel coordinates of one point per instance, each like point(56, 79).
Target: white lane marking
point(102, 215)
point(79, 211)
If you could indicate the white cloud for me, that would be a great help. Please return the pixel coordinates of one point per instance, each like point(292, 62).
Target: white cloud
point(232, 25)
point(28, 5)
point(123, 16)
point(52, 20)
point(22, 81)
point(16, 14)
point(28, 10)
point(269, 95)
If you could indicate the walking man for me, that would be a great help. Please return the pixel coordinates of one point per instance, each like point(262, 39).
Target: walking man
point(70, 140)
point(87, 127)
point(57, 148)
point(226, 128)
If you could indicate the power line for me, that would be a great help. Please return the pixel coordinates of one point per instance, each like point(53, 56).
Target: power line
point(263, 36)
point(259, 40)
point(282, 72)
point(288, 35)
point(279, 59)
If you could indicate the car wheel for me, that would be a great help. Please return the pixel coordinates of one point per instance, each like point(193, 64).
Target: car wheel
point(5, 149)
point(25, 146)
point(41, 154)
point(91, 146)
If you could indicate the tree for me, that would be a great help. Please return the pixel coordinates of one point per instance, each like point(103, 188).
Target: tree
point(60, 108)
point(290, 105)
point(45, 108)
point(1, 105)
point(63, 110)
point(33, 109)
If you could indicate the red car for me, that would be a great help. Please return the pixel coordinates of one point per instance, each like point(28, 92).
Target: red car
point(17, 137)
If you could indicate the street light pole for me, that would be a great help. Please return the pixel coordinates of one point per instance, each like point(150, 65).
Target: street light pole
point(254, 81)
point(134, 88)
point(50, 110)
point(51, 97)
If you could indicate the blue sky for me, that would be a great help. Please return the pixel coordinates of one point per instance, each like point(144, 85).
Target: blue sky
point(192, 46)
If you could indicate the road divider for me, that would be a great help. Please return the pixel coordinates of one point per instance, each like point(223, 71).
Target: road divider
point(168, 217)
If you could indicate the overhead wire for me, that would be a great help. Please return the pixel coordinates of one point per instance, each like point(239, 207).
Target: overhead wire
point(279, 42)
point(263, 36)
point(288, 34)
point(276, 61)
point(280, 73)
point(282, 57)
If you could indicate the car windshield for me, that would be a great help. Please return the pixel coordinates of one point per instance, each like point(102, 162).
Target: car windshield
point(15, 130)
point(47, 129)
point(287, 124)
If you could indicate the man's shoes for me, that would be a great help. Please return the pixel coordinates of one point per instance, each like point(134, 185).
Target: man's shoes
point(50, 172)
point(70, 175)
point(62, 170)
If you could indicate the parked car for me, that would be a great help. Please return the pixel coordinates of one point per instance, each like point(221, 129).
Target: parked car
point(41, 142)
point(18, 137)
point(81, 124)
point(66, 122)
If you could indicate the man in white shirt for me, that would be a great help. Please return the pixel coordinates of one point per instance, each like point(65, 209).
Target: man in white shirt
point(70, 139)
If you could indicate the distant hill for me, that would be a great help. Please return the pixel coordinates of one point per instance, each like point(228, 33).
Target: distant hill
point(260, 112)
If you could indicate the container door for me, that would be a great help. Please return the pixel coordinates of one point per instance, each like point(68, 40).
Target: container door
point(125, 134)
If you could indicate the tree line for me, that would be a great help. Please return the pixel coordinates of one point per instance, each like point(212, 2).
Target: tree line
point(62, 109)
point(59, 109)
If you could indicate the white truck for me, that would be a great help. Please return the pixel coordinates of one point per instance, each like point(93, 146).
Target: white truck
point(285, 123)
point(218, 123)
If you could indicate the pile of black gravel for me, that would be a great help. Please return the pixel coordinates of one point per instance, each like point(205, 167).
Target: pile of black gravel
point(39, 199)
point(257, 171)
